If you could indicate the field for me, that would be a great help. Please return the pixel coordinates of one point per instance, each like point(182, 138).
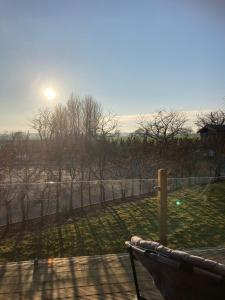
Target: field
point(195, 219)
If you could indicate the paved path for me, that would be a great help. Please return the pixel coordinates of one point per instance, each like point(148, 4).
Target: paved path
point(97, 277)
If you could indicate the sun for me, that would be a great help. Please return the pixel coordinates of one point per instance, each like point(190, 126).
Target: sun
point(49, 93)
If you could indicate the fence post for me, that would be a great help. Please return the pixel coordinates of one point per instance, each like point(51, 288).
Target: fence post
point(162, 195)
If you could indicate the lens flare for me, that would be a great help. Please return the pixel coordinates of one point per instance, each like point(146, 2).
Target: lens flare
point(178, 202)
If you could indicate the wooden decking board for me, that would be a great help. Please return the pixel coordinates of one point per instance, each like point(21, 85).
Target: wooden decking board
point(92, 264)
point(79, 294)
point(100, 277)
point(66, 269)
point(80, 282)
point(81, 278)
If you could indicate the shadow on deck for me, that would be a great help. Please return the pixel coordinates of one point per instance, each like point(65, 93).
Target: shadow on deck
point(96, 277)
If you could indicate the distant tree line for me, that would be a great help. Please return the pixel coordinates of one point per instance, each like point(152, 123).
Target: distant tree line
point(77, 141)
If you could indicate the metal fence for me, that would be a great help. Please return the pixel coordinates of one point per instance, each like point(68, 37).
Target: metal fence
point(26, 201)
point(20, 202)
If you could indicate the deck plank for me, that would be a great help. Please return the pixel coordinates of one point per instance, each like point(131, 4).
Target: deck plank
point(98, 277)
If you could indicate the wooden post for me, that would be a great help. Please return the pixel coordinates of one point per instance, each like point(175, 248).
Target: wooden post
point(162, 195)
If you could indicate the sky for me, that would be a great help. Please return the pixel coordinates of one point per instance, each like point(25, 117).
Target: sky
point(135, 57)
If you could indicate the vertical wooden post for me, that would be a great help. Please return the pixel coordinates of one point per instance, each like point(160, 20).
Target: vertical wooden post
point(162, 195)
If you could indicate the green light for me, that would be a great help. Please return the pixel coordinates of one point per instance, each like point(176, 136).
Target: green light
point(178, 202)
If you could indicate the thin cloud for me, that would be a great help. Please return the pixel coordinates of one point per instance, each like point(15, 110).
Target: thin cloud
point(128, 123)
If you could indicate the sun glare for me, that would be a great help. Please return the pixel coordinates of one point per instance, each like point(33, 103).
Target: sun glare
point(49, 93)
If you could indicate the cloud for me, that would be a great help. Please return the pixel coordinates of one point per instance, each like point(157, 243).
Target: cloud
point(128, 123)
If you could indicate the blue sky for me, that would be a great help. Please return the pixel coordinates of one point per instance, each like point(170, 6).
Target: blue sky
point(135, 57)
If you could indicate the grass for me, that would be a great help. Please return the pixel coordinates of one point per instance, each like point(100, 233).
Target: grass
point(195, 219)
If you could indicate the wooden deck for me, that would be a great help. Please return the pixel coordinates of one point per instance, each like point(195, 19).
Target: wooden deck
point(98, 277)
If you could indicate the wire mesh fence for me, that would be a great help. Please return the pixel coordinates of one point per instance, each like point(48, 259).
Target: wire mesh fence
point(20, 202)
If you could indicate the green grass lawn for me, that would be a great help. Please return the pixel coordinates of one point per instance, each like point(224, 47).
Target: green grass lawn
point(195, 219)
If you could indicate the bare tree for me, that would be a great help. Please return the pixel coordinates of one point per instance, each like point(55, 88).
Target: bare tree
point(42, 123)
point(213, 118)
point(107, 126)
point(164, 126)
point(74, 115)
point(92, 114)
